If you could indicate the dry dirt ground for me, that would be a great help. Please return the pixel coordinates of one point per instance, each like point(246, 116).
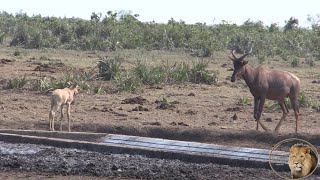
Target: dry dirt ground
point(196, 112)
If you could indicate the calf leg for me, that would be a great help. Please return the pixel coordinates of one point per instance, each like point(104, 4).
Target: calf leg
point(61, 117)
point(260, 109)
point(285, 112)
point(68, 116)
point(52, 113)
point(51, 120)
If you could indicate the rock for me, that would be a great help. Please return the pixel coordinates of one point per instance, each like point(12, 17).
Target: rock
point(234, 109)
point(235, 117)
point(213, 124)
point(173, 123)
point(191, 112)
point(269, 119)
point(182, 124)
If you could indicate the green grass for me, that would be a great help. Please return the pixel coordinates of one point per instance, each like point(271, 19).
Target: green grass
point(16, 83)
point(243, 101)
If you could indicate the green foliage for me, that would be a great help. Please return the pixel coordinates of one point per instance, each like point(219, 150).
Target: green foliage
point(178, 72)
point(41, 84)
point(291, 24)
point(295, 62)
point(109, 68)
point(99, 90)
point(310, 61)
point(16, 83)
point(199, 73)
point(303, 101)
point(244, 101)
point(16, 53)
point(166, 73)
point(128, 82)
point(149, 75)
point(123, 30)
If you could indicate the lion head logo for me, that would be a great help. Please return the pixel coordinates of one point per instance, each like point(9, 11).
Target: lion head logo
point(302, 160)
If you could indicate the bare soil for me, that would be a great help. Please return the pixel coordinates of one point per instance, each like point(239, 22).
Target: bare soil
point(193, 112)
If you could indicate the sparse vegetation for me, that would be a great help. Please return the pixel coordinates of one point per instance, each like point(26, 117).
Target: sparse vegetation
point(109, 68)
point(243, 101)
point(295, 62)
point(303, 100)
point(16, 83)
point(128, 82)
point(16, 53)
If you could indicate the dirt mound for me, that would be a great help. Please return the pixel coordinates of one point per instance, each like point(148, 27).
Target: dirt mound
point(164, 104)
point(135, 100)
point(6, 61)
point(140, 108)
point(52, 68)
point(234, 109)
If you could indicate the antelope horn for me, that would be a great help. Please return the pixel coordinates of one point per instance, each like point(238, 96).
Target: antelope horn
point(234, 56)
point(246, 54)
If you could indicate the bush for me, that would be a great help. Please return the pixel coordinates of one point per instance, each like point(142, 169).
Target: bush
point(244, 101)
point(16, 83)
point(109, 68)
point(199, 74)
point(128, 82)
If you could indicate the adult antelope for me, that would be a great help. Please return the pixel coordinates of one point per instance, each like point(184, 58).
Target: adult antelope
point(265, 83)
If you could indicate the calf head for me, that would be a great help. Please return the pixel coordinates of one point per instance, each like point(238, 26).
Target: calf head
point(75, 89)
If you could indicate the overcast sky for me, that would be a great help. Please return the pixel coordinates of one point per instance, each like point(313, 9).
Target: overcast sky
point(209, 11)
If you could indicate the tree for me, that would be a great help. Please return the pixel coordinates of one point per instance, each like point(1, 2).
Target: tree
point(291, 24)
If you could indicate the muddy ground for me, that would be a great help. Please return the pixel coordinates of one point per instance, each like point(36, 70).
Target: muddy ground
point(35, 161)
point(194, 112)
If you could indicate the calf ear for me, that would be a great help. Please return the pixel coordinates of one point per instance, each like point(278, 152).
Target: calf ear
point(231, 58)
point(244, 62)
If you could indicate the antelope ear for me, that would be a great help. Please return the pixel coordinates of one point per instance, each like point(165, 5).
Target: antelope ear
point(231, 58)
point(244, 62)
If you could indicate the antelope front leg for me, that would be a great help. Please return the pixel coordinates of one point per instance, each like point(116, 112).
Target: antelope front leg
point(260, 109)
point(255, 115)
point(68, 116)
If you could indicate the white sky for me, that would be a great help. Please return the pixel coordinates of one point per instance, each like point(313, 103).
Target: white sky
point(209, 11)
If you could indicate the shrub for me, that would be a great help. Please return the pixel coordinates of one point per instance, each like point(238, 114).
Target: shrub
point(199, 74)
point(16, 83)
point(244, 101)
point(109, 68)
point(128, 82)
